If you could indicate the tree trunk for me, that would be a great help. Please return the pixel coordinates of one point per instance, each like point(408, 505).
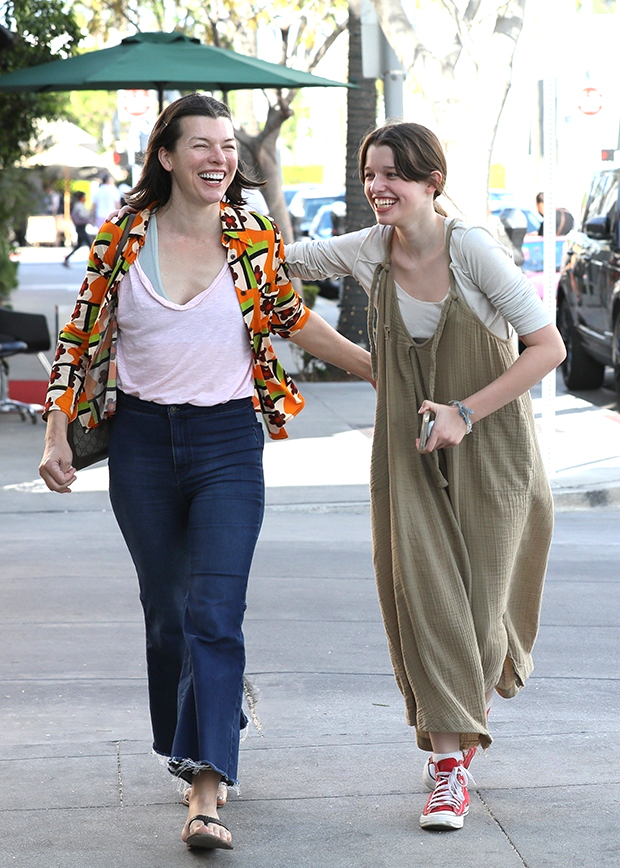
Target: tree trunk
point(261, 153)
point(361, 117)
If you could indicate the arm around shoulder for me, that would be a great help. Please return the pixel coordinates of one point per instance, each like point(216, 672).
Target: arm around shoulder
point(334, 257)
point(321, 340)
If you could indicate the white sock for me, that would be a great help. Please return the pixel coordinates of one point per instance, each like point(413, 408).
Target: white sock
point(438, 757)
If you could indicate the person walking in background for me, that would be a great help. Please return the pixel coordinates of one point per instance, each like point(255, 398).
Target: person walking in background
point(80, 215)
point(564, 220)
point(51, 201)
point(123, 189)
point(461, 511)
point(105, 200)
point(183, 325)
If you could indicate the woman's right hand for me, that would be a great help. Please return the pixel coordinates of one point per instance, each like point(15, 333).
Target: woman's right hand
point(55, 468)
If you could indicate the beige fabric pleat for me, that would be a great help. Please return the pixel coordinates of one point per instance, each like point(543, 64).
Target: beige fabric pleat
point(461, 536)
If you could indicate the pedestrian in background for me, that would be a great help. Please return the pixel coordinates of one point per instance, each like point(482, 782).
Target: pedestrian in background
point(123, 189)
point(184, 328)
point(564, 220)
point(462, 512)
point(80, 215)
point(105, 200)
point(51, 201)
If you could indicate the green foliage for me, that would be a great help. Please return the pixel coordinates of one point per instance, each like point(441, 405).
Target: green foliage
point(17, 199)
point(288, 136)
point(8, 270)
point(43, 31)
point(92, 111)
point(38, 25)
point(309, 292)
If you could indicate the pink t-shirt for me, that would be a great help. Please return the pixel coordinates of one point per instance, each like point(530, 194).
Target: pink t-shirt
point(196, 353)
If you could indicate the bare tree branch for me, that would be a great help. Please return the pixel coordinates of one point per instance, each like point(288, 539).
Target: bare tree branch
point(472, 10)
point(511, 22)
point(327, 44)
point(286, 32)
point(462, 31)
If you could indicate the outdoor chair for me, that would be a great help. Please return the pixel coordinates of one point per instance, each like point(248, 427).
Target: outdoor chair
point(21, 333)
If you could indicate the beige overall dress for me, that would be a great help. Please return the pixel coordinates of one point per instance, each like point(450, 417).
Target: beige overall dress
point(460, 536)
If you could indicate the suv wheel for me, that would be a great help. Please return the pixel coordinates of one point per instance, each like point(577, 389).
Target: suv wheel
point(580, 371)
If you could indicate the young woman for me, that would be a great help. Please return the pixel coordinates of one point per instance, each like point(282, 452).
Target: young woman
point(462, 522)
point(173, 340)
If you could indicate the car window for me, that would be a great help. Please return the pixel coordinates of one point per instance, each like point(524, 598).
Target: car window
point(607, 183)
point(609, 203)
point(594, 199)
point(312, 205)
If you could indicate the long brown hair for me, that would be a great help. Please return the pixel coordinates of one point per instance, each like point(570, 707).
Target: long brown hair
point(417, 153)
point(155, 184)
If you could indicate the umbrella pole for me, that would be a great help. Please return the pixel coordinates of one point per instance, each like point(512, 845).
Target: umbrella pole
point(160, 96)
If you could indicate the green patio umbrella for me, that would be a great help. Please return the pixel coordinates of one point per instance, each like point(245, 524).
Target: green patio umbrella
point(159, 61)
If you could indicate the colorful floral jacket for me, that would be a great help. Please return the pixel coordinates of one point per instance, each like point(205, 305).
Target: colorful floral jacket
point(83, 378)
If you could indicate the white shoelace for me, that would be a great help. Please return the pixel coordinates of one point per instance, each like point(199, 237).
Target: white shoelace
point(449, 788)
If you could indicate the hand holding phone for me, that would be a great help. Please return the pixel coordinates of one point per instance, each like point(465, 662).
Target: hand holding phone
point(425, 430)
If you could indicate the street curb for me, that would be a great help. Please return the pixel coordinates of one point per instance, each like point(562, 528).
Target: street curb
point(594, 497)
point(564, 500)
point(353, 507)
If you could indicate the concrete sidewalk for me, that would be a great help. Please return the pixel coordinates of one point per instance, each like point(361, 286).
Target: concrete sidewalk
point(334, 779)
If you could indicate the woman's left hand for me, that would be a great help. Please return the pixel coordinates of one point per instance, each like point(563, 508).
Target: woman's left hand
point(448, 430)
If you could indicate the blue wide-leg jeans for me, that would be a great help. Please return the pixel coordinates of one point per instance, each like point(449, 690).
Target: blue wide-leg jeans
point(186, 486)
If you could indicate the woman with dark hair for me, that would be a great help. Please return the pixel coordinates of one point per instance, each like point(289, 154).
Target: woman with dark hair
point(461, 524)
point(171, 337)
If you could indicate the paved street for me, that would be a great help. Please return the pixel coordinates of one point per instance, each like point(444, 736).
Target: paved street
point(333, 779)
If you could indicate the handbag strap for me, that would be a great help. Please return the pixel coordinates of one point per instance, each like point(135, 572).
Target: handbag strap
point(121, 244)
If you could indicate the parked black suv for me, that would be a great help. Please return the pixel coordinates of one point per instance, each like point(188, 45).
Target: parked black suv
point(589, 288)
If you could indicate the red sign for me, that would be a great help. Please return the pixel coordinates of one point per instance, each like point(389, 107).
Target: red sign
point(590, 101)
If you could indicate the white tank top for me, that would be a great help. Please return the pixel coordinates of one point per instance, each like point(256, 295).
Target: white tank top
point(195, 353)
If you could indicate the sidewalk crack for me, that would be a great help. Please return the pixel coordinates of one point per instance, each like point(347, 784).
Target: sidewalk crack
point(501, 828)
point(119, 773)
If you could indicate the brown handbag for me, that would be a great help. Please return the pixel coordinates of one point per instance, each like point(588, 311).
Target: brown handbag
point(89, 445)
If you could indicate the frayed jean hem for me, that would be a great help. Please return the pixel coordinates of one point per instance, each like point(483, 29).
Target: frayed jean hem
point(187, 768)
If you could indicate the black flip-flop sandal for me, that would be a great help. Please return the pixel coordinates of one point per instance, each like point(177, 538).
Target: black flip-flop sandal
point(206, 840)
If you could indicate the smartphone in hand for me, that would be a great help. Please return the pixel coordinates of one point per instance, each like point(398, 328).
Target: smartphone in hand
point(425, 430)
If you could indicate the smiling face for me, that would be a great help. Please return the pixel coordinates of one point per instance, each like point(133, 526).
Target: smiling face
point(203, 162)
point(393, 198)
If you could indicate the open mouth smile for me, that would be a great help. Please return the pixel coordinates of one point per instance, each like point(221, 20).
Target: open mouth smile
point(214, 177)
point(384, 203)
